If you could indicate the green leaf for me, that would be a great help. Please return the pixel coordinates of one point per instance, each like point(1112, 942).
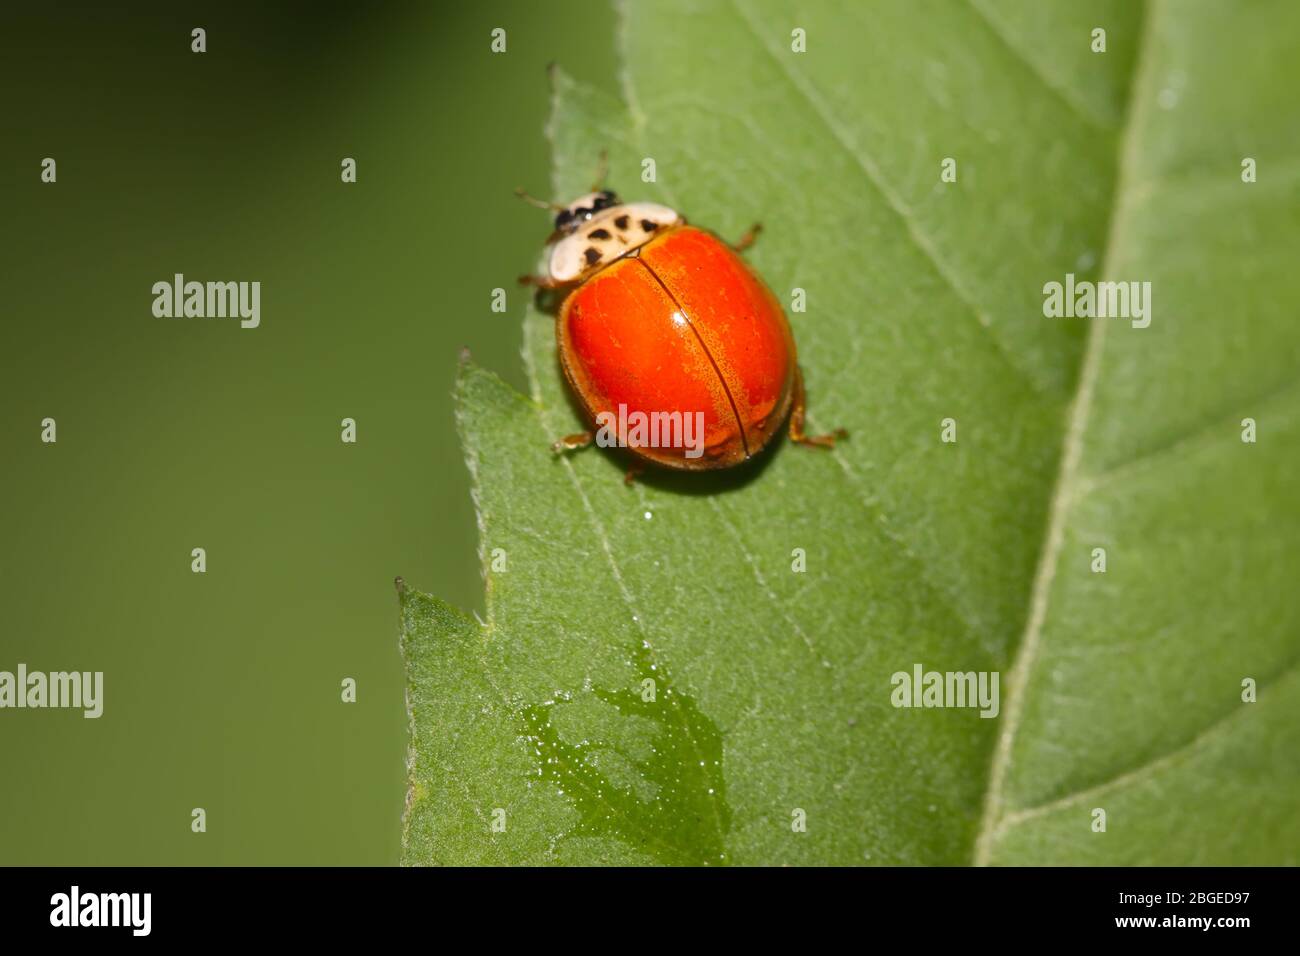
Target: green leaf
point(534, 735)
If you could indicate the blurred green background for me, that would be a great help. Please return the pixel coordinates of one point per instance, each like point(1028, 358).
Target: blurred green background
point(222, 690)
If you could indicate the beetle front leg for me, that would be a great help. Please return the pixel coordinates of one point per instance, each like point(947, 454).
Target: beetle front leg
point(747, 240)
point(572, 442)
point(543, 282)
point(797, 412)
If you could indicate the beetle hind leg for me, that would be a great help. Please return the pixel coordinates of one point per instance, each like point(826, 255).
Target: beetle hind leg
point(572, 442)
point(797, 412)
point(749, 238)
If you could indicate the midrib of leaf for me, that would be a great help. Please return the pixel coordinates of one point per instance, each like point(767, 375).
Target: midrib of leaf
point(1068, 478)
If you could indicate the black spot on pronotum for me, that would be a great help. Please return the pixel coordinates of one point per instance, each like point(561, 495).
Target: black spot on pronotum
point(621, 222)
point(649, 226)
point(598, 234)
point(592, 255)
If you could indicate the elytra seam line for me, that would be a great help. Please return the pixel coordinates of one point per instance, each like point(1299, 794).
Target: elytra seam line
point(744, 439)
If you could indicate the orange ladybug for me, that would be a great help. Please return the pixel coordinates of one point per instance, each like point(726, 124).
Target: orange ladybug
point(674, 346)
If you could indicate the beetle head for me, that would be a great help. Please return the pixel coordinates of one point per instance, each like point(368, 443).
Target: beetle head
point(568, 219)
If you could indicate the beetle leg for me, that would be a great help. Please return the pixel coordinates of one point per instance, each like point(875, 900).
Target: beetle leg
point(747, 240)
point(633, 472)
point(572, 442)
point(602, 170)
point(797, 412)
point(542, 282)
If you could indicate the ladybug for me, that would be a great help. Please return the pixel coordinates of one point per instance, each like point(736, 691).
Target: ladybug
point(673, 345)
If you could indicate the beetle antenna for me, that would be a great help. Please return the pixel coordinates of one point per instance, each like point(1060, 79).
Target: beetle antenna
point(602, 170)
point(533, 201)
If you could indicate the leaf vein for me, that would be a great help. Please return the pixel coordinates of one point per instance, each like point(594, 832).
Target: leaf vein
point(1053, 86)
point(1155, 765)
point(916, 235)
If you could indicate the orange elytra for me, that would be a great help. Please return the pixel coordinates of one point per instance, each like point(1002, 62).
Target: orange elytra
point(673, 345)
